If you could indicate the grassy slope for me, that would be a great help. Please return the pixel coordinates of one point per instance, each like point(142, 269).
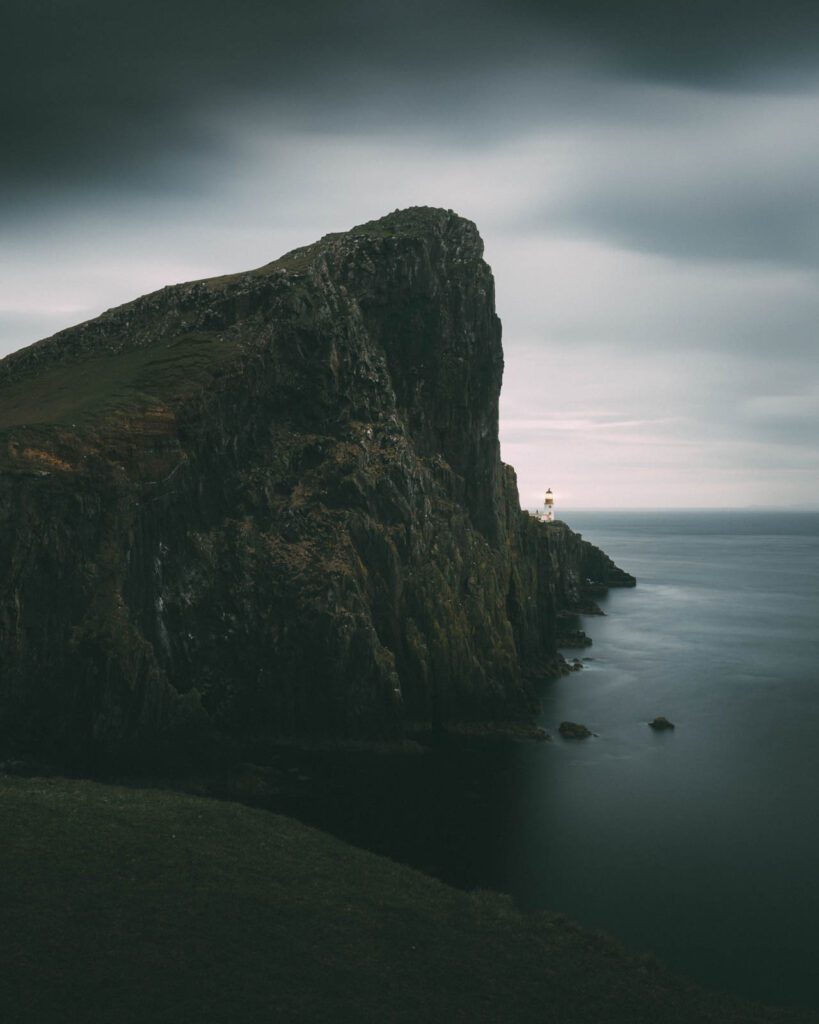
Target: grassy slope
point(148, 906)
point(68, 393)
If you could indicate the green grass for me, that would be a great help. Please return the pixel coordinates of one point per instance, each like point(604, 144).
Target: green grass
point(124, 905)
point(68, 393)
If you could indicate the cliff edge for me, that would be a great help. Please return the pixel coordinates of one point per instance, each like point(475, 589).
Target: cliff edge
point(272, 505)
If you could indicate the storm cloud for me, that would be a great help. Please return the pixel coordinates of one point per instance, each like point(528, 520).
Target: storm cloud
point(92, 88)
point(645, 176)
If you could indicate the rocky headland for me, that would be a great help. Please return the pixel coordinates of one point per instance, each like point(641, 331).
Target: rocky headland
point(272, 505)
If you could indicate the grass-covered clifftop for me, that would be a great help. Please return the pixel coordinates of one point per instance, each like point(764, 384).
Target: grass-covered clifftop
point(124, 906)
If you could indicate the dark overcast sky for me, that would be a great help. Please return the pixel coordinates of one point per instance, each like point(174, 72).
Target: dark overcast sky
point(645, 175)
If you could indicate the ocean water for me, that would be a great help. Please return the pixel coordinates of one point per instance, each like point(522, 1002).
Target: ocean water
point(699, 845)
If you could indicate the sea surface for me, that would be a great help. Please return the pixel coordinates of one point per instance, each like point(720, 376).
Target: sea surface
point(699, 845)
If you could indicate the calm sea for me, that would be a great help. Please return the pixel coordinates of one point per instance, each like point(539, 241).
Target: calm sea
point(700, 845)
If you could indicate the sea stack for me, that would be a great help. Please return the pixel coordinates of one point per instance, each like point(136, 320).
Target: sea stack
point(272, 505)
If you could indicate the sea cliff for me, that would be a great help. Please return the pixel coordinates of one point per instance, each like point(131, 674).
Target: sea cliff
point(272, 505)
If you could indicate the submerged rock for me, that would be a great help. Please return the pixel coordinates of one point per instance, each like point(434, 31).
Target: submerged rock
point(272, 504)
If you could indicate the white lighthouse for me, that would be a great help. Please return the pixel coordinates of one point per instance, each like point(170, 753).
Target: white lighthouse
point(549, 504)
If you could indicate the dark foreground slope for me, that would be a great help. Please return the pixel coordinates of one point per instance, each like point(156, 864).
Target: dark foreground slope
point(125, 906)
point(272, 504)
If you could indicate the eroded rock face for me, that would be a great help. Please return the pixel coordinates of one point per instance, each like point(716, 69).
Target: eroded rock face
point(272, 505)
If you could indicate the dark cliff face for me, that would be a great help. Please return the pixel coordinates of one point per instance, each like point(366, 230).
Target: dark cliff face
point(272, 504)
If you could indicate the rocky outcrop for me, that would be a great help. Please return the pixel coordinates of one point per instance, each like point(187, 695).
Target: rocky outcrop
point(272, 504)
point(574, 731)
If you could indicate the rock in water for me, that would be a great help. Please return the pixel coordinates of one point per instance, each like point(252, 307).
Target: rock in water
point(660, 723)
point(272, 504)
point(574, 731)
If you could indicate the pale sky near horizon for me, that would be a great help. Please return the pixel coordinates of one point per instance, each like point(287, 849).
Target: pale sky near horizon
point(645, 177)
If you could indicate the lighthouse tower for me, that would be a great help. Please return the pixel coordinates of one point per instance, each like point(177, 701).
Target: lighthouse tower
point(549, 503)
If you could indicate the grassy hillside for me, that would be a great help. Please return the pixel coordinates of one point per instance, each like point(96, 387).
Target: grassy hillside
point(124, 905)
point(69, 392)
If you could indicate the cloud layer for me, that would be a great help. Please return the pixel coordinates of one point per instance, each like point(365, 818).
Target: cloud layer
point(646, 178)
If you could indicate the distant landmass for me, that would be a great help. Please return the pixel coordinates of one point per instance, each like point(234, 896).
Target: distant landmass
point(272, 505)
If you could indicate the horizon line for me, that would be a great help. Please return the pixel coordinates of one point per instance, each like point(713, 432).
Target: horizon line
point(688, 508)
